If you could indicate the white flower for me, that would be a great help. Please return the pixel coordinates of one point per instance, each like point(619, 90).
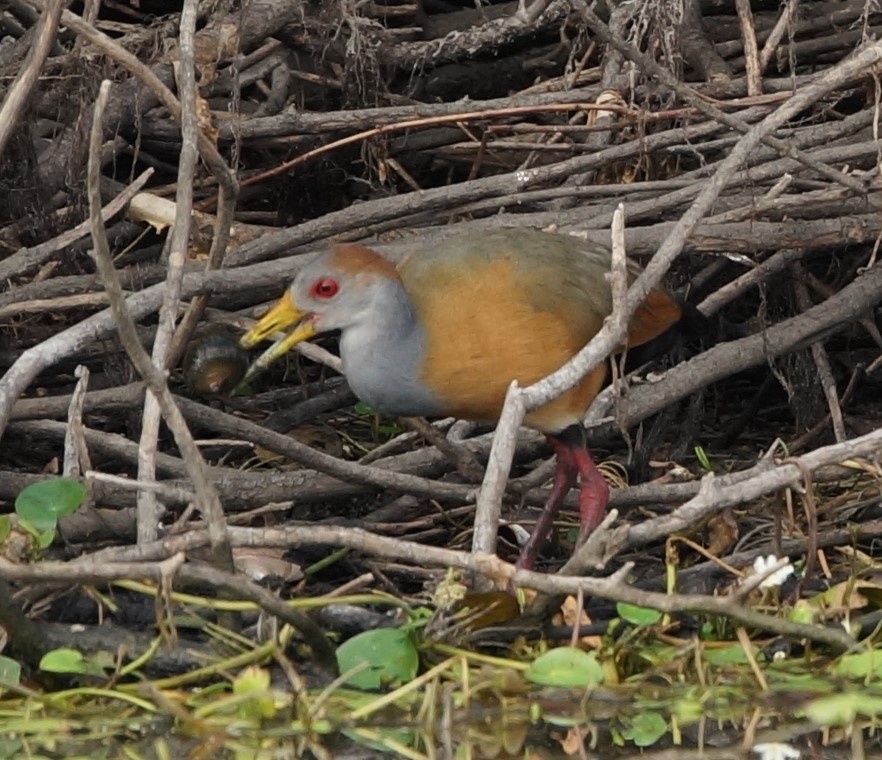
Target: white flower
point(761, 566)
point(776, 751)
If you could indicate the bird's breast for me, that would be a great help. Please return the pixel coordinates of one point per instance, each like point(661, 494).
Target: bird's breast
point(382, 367)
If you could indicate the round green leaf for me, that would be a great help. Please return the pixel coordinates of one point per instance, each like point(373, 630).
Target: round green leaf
point(385, 656)
point(565, 667)
point(63, 661)
point(637, 615)
point(41, 504)
point(73, 661)
point(646, 729)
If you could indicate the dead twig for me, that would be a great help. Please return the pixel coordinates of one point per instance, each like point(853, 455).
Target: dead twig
point(149, 509)
point(23, 87)
point(822, 362)
point(208, 500)
point(751, 52)
point(782, 146)
point(26, 260)
point(613, 587)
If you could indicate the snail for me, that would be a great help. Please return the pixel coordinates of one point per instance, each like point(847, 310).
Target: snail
point(214, 364)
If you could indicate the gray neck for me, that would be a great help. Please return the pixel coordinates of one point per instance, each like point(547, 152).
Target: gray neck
point(382, 355)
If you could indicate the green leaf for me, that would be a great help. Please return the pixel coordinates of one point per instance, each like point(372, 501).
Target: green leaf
point(637, 615)
point(10, 670)
point(63, 661)
point(383, 739)
point(10, 747)
point(646, 729)
point(385, 656)
point(5, 527)
point(564, 667)
point(802, 612)
point(703, 459)
point(45, 539)
point(253, 683)
point(363, 408)
point(42, 503)
point(860, 665)
point(835, 710)
point(73, 661)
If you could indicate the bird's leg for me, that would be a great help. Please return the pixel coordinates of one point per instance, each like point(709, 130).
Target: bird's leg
point(593, 490)
point(593, 493)
point(565, 476)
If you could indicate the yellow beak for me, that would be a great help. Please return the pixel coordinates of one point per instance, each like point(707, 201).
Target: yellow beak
point(279, 318)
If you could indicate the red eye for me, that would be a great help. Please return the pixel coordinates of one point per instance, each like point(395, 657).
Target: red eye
point(324, 288)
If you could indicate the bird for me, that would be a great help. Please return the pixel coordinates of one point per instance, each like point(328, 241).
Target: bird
point(445, 332)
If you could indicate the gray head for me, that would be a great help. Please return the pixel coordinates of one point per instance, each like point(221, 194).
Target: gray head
point(345, 287)
point(350, 286)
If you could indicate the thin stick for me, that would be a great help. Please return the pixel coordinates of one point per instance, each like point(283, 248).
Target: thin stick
point(784, 147)
point(613, 587)
point(822, 363)
point(618, 277)
point(76, 451)
point(777, 33)
point(751, 52)
point(613, 333)
point(25, 260)
point(23, 86)
point(149, 509)
point(489, 502)
point(207, 497)
point(778, 262)
point(162, 489)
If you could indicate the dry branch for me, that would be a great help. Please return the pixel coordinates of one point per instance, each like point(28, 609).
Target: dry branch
point(349, 123)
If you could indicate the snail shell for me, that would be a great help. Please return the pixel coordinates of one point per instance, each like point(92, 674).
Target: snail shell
point(214, 364)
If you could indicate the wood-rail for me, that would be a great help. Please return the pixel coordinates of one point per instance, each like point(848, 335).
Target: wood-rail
point(446, 331)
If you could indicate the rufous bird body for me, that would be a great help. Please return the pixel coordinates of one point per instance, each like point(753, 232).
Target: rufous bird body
point(446, 331)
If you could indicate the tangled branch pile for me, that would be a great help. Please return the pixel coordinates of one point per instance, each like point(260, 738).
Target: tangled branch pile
point(379, 121)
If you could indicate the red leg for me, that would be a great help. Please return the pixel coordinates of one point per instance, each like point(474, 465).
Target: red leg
point(564, 479)
point(573, 462)
point(593, 493)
